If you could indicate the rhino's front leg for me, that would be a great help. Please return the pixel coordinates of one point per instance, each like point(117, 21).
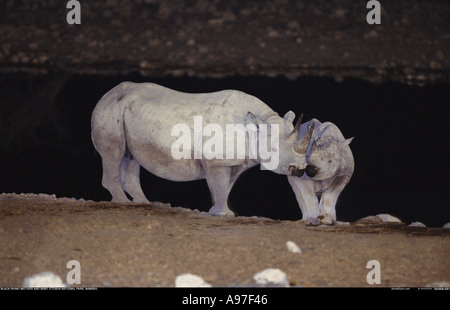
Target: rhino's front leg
point(329, 198)
point(219, 183)
point(306, 198)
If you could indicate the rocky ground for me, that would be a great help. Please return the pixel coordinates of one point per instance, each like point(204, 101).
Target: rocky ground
point(151, 244)
point(226, 37)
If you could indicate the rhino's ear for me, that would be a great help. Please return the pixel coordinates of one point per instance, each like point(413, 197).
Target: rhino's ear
point(289, 116)
point(250, 118)
point(347, 141)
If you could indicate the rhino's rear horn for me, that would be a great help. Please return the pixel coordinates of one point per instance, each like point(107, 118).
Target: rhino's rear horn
point(302, 145)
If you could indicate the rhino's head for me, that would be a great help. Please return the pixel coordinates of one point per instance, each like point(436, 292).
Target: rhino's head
point(325, 156)
point(293, 147)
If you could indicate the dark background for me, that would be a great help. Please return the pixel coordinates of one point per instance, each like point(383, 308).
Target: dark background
point(400, 145)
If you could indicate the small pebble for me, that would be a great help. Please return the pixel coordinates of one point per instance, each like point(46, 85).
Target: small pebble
point(293, 247)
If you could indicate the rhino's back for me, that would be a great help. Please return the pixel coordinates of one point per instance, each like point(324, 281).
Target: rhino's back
point(157, 103)
point(151, 112)
point(330, 129)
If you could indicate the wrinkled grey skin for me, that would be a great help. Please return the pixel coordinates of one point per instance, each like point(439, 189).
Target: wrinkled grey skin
point(330, 166)
point(131, 127)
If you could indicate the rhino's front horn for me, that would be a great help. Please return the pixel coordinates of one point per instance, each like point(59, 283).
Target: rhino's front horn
point(302, 145)
point(293, 136)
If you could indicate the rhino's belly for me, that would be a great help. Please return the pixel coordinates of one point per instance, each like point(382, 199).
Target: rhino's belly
point(160, 162)
point(149, 141)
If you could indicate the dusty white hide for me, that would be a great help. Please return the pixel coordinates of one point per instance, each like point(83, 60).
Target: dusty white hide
point(132, 126)
point(330, 166)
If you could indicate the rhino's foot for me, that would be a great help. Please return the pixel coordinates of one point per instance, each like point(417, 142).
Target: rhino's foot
point(326, 220)
point(321, 220)
point(220, 210)
point(312, 221)
point(122, 199)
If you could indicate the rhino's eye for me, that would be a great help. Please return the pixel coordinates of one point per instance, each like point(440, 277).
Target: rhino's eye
point(329, 162)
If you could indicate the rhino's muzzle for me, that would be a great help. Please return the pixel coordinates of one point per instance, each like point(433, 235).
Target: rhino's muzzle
point(311, 171)
point(298, 172)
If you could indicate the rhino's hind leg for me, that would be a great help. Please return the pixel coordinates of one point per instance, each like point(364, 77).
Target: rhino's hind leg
point(129, 177)
point(112, 152)
point(219, 183)
point(111, 178)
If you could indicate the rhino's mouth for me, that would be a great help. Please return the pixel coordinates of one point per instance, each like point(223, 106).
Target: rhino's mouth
point(296, 171)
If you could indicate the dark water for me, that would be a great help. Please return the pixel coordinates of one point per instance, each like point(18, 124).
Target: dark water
point(400, 146)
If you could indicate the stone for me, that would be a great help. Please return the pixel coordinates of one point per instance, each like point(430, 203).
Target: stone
point(389, 218)
point(293, 247)
point(44, 279)
point(190, 280)
point(417, 224)
point(271, 277)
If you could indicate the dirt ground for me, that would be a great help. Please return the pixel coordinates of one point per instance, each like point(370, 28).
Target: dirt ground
point(151, 244)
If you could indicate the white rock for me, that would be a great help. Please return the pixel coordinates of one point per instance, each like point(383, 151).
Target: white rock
point(44, 279)
point(438, 284)
point(293, 247)
point(271, 277)
point(370, 218)
point(190, 280)
point(446, 225)
point(389, 218)
point(417, 224)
